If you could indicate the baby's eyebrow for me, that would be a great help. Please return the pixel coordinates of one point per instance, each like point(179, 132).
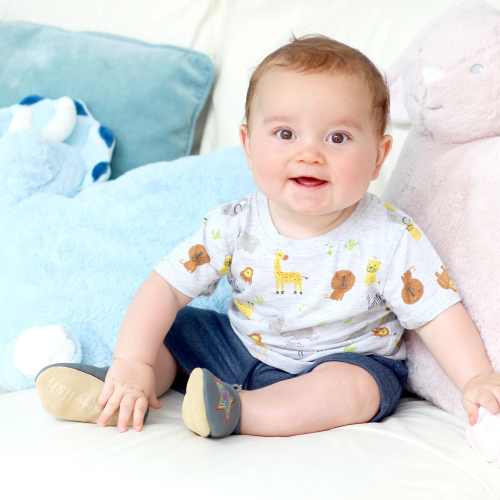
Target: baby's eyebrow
point(347, 122)
point(271, 119)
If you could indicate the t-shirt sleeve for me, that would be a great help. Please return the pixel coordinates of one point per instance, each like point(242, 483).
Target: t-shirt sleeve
point(197, 264)
point(418, 287)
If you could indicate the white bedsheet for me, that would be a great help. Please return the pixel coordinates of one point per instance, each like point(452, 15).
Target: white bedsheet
point(418, 453)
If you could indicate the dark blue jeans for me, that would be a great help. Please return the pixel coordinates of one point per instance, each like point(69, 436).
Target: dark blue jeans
point(205, 339)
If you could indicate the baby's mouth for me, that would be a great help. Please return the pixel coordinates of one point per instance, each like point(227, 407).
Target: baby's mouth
point(308, 181)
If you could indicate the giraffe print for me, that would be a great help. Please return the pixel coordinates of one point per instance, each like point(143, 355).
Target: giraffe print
point(283, 277)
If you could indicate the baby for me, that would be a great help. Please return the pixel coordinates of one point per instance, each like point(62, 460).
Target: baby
point(325, 276)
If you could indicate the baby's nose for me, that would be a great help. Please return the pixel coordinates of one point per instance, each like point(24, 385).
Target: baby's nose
point(310, 153)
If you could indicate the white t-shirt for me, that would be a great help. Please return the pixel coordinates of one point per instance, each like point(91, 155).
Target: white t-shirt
point(353, 289)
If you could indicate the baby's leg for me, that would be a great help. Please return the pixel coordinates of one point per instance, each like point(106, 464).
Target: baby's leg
point(332, 395)
point(165, 370)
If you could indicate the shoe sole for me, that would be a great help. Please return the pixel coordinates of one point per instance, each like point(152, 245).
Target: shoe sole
point(71, 394)
point(194, 412)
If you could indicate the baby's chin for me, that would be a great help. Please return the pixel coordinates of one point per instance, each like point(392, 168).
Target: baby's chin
point(306, 208)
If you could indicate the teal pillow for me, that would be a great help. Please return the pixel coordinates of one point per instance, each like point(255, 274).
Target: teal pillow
point(149, 95)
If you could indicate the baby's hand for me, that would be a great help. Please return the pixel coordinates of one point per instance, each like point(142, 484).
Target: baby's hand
point(129, 386)
point(482, 391)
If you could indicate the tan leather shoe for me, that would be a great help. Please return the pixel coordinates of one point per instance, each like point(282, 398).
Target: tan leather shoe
point(70, 391)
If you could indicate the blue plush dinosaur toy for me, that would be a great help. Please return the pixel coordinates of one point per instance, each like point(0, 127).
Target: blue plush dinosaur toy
point(51, 146)
point(71, 263)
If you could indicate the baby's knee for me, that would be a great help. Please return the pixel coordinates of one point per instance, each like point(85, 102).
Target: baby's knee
point(361, 390)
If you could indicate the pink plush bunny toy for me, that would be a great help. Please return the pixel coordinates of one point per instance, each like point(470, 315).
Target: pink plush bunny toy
point(447, 85)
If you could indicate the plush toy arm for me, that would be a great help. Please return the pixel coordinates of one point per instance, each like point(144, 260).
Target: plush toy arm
point(22, 119)
point(63, 122)
point(40, 346)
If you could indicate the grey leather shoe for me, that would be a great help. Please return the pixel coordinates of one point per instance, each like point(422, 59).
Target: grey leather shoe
point(211, 407)
point(70, 391)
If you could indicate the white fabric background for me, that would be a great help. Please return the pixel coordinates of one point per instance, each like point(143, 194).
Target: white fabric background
point(238, 34)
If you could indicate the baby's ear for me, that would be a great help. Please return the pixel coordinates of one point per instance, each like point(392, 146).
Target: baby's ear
point(243, 132)
point(245, 143)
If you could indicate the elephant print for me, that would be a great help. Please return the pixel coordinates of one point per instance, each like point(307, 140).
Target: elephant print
point(354, 335)
point(303, 333)
point(275, 323)
point(236, 208)
point(393, 216)
point(246, 242)
point(211, 289)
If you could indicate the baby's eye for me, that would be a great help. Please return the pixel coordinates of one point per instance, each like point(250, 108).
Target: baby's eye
point(285, 134)
point(339, 138)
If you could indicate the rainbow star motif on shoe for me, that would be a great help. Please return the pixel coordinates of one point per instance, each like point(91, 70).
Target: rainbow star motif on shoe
point(225, 399)
point(205, 396)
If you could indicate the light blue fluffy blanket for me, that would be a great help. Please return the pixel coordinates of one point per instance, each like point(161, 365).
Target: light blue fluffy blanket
point(78, 261)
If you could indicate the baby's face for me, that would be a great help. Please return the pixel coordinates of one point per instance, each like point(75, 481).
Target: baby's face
point(313, 148)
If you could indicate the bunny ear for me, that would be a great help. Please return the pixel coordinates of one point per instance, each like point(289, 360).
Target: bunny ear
point(396, 89)
point(395, 75)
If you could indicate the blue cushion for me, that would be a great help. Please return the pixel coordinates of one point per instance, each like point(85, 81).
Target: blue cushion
point(149, 95)
point(79, 261)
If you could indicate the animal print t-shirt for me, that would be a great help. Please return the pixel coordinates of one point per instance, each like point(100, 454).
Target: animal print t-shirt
point(353, 289)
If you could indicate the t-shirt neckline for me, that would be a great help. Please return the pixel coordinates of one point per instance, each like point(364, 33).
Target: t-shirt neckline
point(335, 235)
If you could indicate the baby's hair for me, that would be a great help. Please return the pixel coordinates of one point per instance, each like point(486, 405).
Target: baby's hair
point(319, 54)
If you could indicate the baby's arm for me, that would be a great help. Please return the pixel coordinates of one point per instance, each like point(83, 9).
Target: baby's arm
point(454, 341)
point(130, 381)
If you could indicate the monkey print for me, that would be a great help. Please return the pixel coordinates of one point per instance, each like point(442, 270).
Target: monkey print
point(444, 280)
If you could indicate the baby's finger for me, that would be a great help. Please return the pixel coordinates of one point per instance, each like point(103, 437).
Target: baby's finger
point(105, 394)
point(126, 408)
point(495, 391)
point(489, 401)
point(472, 411)
point(141, 406)
point(111, 406)
point(154, 403)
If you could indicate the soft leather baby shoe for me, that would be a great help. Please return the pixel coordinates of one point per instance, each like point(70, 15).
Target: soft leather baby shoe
point(211, 407)
point(70, 391)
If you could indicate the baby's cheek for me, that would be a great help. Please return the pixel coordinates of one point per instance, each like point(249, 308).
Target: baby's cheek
point(356, 179)
point(269, 174)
